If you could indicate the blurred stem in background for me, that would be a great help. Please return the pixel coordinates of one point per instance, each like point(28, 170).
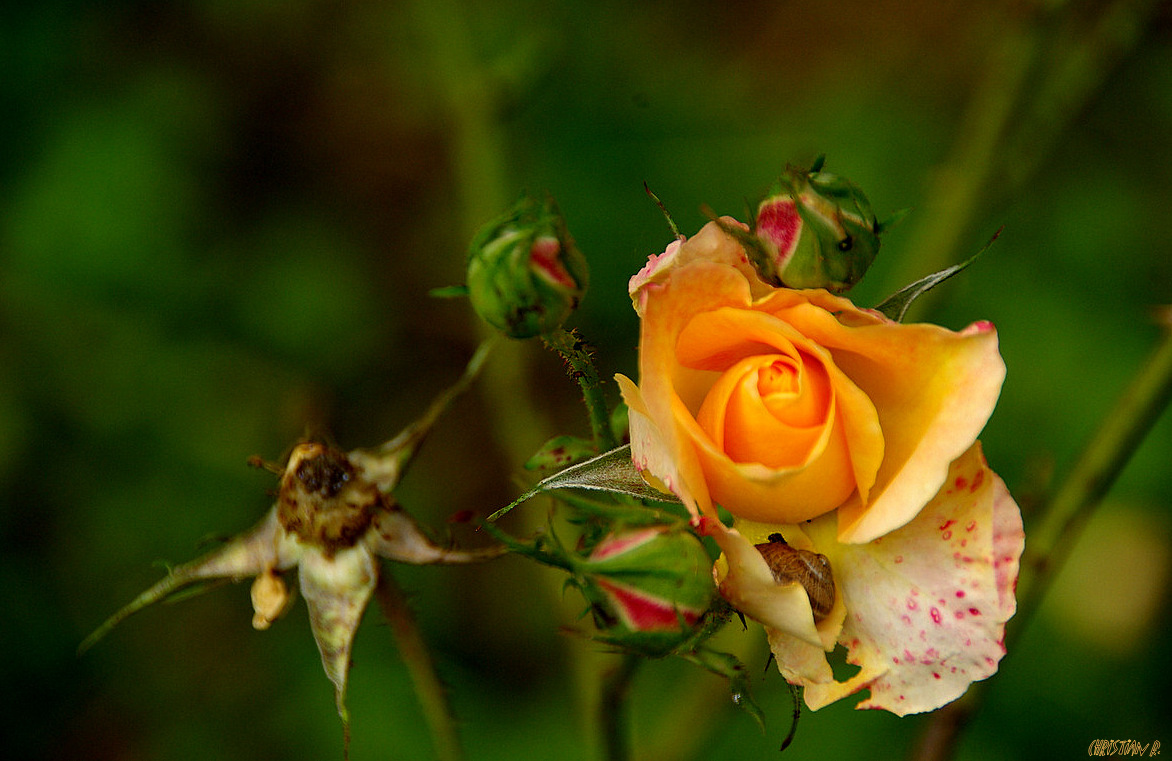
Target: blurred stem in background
point(613, 719)
point(413, 650)
point(1050, 61)
point(1102, 460)
point(472, 103)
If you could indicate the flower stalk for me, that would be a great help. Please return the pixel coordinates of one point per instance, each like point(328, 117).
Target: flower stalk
point(433, 699)
point(580, 366)
point(613, 709)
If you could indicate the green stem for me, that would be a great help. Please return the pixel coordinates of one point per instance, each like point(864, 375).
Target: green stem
point(1095, 471)
point(432, 698)
point(386, 463)
point(613, 718)
point(478, 153)
point(580, 366)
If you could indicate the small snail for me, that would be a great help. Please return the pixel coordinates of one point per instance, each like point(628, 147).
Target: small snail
point(810, 569)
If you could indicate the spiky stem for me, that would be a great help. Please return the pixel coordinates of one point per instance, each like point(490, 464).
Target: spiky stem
point(580, 366)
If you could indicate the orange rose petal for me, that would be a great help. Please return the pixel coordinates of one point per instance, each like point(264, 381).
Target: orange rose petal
point(650, 452)
point(927, 604)
point(758, 492)
point(675, 303)
point(710, 245)
point(719, 337)
point(934, 390)
point(715, 339)
point(753, 433)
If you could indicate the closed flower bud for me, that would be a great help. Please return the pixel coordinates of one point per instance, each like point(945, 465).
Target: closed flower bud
point(649, 588)
point(525, 275)
point(816, 230)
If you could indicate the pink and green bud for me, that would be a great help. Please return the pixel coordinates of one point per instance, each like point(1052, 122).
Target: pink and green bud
point(525, 275)
point(814, 230)
point(649, 588)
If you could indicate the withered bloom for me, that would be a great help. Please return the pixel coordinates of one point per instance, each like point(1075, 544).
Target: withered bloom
point(334, 516)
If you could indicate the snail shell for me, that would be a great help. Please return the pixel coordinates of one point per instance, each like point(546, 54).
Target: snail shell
point(810, 569)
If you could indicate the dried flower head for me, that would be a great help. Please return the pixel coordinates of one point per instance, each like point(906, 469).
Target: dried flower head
point(334, 515)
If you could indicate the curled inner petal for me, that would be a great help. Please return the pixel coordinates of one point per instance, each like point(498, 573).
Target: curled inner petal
point(781, 433)
point(769, 409)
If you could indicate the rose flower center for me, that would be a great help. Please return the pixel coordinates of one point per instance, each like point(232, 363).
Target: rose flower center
point(770, 409)
point(766, 415)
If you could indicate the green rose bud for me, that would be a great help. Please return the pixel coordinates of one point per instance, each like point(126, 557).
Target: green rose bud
point(815, 230)
point(648, 588)
point(525, 275)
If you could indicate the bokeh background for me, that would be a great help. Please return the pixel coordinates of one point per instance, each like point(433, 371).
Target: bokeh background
point(219, 223)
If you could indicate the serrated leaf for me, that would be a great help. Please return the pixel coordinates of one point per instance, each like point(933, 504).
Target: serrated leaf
point(610, 471)
point(895, 306)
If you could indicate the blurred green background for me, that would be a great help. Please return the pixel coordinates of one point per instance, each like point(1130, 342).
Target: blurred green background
point(219, 222)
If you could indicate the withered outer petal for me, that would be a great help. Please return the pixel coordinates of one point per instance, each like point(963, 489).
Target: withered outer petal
point(265, 546)
point(337, 589)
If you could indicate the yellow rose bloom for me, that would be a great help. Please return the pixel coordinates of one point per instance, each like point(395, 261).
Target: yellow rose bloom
point(782, 405)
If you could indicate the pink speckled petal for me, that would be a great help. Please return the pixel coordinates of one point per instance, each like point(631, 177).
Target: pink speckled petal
point(927, 604)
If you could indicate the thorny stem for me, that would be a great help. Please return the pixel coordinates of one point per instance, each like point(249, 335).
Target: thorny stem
point(613, 716)
point(1063, 518)
point(432, 697)
point(581, 368)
